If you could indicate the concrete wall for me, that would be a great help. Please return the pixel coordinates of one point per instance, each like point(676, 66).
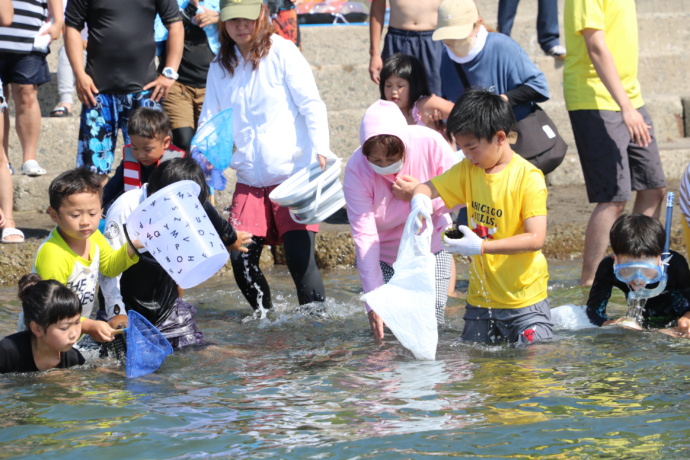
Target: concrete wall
point(339, 57)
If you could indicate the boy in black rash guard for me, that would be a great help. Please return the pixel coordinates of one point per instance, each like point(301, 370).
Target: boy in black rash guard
point(146, 287)
point(638, 242)
point(52, 315)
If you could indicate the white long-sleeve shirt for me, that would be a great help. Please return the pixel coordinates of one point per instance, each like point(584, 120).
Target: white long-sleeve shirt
point(279, 120)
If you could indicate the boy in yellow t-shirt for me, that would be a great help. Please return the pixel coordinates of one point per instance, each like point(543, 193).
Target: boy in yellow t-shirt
point(76, 251)
point(506, 205)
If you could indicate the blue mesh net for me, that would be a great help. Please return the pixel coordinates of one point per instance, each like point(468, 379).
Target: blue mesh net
point(146, 346)
point(214, 139)
point(214, 176)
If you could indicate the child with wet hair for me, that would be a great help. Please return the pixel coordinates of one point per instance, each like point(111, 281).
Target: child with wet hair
point(637, 242)
point(52, 316)
point(75, 251)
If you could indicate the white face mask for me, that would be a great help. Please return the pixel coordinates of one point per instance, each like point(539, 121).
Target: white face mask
point(461, 48)
point(390, 169)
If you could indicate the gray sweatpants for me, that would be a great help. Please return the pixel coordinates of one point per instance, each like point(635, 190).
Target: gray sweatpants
point(513, 325)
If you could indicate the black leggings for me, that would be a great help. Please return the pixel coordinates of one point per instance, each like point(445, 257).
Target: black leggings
point(299, 255)
point(182, 138)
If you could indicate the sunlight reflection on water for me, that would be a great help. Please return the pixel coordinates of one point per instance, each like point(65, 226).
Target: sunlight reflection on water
point(297, 385)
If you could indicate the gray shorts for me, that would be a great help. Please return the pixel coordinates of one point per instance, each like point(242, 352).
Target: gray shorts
point(512, 325)
point(612, 164)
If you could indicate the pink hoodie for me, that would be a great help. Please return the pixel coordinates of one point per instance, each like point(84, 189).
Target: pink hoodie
point(377, 218)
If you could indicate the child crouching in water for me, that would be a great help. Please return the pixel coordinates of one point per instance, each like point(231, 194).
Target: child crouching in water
point(147, 287)
point(52, 315)
point(506, 201)
point(638, 242)
point(76, 251)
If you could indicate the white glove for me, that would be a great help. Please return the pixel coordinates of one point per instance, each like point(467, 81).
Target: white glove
point(469, 245)
point(421, 208)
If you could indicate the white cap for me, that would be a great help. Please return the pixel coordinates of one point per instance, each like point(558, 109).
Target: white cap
point(456, 19)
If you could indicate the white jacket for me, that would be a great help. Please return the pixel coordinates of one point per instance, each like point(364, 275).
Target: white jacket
point(279, 120)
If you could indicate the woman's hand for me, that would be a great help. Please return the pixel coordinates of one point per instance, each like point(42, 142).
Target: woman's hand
point(404, 186)
point(322, 162)
point(433, 108)
point(376, 324)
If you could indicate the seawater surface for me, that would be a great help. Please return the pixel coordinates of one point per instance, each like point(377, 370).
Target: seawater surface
point(301, 385)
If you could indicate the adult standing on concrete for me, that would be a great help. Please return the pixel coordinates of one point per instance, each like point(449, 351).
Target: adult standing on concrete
point(23, 65)
point(10, 234)
point(547, 24)
point(280, 126)
point(186, 97)
point(412, 22)
point(613, 131)
point(475, 57)
point(120, 73)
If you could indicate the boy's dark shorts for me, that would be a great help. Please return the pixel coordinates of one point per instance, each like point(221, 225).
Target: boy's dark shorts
point(612, 164)
point(512, 325)
point(24, 69)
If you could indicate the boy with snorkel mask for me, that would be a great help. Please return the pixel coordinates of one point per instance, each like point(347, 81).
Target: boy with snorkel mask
point(636, 267)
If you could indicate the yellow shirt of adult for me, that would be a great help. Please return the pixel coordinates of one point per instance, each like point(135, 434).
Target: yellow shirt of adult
point(582, 87)
point(497, 206)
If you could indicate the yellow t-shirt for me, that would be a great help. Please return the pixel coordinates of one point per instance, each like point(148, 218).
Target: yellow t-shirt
point(497, 206)
point(55, 260)
point(582, 87)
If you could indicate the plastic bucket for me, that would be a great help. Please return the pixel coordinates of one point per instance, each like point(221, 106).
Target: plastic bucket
point(176, 230)
point(311, 194)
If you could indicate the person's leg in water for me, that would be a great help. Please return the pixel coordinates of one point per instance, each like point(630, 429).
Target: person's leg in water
point(300, 259)
point(249, 277)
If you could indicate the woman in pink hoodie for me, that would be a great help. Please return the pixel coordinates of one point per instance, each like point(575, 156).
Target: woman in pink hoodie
point(379, 179)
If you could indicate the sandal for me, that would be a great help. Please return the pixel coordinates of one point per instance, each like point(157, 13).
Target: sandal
point(9, 232)
point(31, 168)
point(60, 111)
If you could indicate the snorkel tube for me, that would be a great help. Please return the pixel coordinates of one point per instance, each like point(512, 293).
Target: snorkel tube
point(646, 293)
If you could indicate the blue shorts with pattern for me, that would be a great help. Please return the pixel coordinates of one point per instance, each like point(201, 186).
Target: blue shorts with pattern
point(99, 126)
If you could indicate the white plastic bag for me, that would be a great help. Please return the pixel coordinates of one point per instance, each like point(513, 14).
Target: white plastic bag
point(407, 304)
